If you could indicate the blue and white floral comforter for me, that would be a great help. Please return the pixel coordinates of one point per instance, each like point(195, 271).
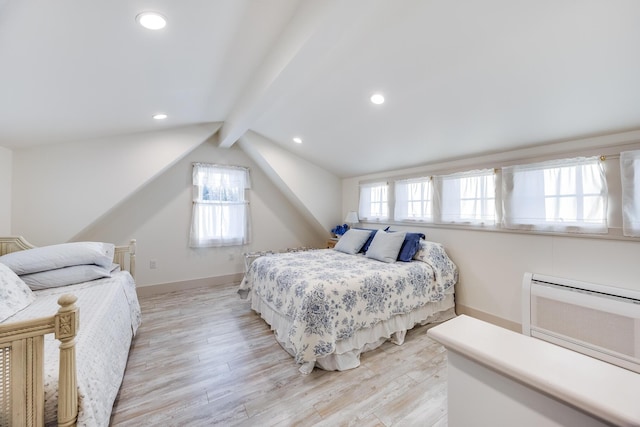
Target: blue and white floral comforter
point(328, 295)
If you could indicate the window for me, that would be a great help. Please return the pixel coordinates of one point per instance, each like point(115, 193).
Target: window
point(220, 212)
point(467, 197)
point(630, 175)
point(374, 202)
point(560, 195)
point(414, 200)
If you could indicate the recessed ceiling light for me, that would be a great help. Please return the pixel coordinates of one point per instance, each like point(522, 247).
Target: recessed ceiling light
point(160, 116)
point(297, 140)
point(377, 98)
point(151, 20)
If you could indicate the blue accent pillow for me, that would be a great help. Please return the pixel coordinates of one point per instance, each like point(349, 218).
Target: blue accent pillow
point(410, 246)
point(366, 245)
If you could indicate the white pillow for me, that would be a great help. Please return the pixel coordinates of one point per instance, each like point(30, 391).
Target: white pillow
point(58, 256)
point(385, 246)
point(14, 293)
point(66, 276)
point(352, 241)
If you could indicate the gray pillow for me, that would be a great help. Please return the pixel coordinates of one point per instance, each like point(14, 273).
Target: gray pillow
point(58, 256)
point(66, 276)
point(352, 241)
point(385, 246)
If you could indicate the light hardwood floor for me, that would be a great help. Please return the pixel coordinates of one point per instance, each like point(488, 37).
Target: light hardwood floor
point(202, 357)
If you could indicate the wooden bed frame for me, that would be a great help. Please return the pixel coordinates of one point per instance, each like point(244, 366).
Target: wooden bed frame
point(22, 351)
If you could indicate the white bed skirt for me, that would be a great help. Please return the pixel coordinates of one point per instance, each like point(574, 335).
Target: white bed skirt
point(348, 351)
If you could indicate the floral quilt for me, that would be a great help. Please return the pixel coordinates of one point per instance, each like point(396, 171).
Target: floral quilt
point(328, 295)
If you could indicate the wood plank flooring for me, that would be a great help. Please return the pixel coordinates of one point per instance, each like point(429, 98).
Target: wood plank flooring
point(202, 357)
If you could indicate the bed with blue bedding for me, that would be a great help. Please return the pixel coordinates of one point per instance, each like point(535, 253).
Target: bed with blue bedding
point(326, 307)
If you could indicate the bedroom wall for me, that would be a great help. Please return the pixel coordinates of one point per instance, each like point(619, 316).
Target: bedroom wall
point(60, 189)
point(5, 190)
point(158, 215)
point(315, 192)
point(492, 263)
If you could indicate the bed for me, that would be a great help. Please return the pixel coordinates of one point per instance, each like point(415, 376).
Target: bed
point(54, 367)
point(328, 306)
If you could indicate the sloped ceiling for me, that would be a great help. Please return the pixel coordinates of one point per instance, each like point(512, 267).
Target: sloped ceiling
point(461, 78)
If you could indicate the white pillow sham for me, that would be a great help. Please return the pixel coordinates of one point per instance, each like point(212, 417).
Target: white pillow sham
point(58, 256)
point(66, 276)
point(352, 241)
point(14, 293)
point(385, 246)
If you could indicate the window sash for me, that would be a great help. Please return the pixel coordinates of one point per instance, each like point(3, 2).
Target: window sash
point(413, 200)
point(374, 201)
point(467, 197)
point(220, 213)
point(568, 195)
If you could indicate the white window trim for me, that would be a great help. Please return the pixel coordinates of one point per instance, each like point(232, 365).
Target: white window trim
point(401, 208)
point(208, 221)
point(364, 204)
point(442, 216)
point(513, 203)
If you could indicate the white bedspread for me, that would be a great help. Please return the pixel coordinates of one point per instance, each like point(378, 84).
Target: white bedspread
point(109, 317)
point(328, 296)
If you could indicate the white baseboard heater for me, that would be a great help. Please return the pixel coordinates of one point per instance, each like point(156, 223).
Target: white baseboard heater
point(596, 320)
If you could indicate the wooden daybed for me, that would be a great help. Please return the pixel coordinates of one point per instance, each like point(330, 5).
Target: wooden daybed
point(25, 347)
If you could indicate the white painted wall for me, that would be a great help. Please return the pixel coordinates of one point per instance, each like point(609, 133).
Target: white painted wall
point(60, 189)
point(6, 161)
point(158, 215)
point(492, 263)
point(313, 190)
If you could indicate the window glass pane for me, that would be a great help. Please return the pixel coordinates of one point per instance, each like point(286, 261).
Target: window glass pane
point(413, 200)
point(220, 214)
point(561, 195)
point(468, 197)
point(374, 201)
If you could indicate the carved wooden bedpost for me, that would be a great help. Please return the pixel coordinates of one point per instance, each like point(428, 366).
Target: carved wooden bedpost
point(66, 329)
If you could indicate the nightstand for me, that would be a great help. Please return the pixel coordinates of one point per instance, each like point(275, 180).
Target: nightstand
point(332, 242)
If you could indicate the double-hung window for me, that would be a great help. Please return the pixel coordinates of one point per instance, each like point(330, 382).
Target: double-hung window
point(413, 200)
point(220, 214)
point(466, 197)
point(374, 201)
point(567, 195)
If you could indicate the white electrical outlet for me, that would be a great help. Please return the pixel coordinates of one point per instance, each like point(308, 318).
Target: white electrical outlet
point(153, 264)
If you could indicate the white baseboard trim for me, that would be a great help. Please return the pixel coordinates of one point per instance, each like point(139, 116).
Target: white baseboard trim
point(163, 288)
point(481, 315)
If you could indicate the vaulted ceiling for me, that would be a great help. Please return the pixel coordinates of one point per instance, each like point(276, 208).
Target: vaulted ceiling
point(460, 78)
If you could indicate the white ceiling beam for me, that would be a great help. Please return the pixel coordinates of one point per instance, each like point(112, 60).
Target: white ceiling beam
point(284, 64)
